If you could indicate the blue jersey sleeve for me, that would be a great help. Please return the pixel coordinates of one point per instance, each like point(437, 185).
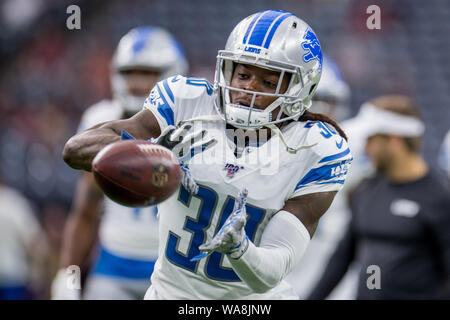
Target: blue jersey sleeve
point(161, 102)
point(178, 98)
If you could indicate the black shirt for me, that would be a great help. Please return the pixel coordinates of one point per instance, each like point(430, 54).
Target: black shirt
point(402, 228)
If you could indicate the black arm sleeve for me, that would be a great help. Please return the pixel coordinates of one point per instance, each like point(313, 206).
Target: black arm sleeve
point(336, 267)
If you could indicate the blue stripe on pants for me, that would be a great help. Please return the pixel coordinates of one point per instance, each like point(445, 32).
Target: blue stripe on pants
point(112, 265)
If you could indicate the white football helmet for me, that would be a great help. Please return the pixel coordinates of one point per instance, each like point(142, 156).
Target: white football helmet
point(145, 48)
point(275, 40)
point(332, 90)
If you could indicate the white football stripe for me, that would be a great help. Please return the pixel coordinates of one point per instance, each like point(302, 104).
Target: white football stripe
point(149, 149)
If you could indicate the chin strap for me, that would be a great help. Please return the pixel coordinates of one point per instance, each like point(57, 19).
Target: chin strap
point(202, 118)
point(290, 149)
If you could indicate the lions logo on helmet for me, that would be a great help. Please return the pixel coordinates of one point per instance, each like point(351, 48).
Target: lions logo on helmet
point(145, 48)
point(275, 40)
point(312, 46)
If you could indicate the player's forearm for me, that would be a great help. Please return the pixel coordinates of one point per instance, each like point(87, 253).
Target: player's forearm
point(82, 148)
point(283, 242)
point(261, 268)
point(78, 240)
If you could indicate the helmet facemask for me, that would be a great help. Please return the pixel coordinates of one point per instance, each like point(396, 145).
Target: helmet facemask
point(292, 103)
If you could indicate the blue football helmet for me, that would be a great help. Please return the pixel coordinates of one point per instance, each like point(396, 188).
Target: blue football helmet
point(274, 40)
point(145, 48)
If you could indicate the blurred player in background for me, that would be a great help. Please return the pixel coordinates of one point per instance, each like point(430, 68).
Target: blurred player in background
point(128, 236)
point(264, 82)
point(332, 98)
point(23, 249)
point(444, 154)
point(333, 93)
point(401, 221)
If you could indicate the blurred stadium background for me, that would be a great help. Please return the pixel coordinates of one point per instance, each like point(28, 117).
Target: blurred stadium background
point(49, 74)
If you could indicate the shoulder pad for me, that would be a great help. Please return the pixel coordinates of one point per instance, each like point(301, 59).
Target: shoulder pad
point(328, 144)
point(179, 87)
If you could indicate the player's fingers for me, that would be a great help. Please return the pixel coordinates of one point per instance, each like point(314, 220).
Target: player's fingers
point(231, 218)
point(243, 193)
point(180, 132)
point(205, 145)
point(167, 131)
point(164, 138)
point(199, 147)
point(237, 204)
point(237, 223)
point(185, 151)
point(190, 141)
point(240, 222)
point(231, 226)
point(179, 151)
point(193, 138)
point(242, 196)
point(241, 199)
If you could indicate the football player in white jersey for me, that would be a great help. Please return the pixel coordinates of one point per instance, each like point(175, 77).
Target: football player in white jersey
point(332, 96)
point(265, 168)
point(128, 236)
point(24, 248)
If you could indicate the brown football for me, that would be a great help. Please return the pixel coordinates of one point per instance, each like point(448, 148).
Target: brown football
point(137, 173)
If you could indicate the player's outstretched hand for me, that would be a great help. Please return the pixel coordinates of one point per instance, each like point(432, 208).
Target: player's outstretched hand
point(184, 144)
point(231, 238)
